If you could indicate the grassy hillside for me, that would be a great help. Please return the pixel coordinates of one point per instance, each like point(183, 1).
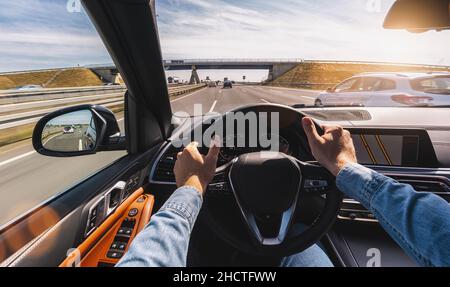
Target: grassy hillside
point(328, 74)
point(77, 77)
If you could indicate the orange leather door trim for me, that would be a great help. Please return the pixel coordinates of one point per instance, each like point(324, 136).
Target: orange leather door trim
point(95, 247)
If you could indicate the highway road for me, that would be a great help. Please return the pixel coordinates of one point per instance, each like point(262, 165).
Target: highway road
point(27, 178)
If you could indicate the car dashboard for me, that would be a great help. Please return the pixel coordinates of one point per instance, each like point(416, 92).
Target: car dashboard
point(406, 154)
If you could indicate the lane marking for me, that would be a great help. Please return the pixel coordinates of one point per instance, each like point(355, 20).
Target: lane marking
point(294, 89)
point(212, 107)
point(188, 95)
point(312, 98)
point(267, 102)
point(52, 137)
point(16, 158)
point(80, 145)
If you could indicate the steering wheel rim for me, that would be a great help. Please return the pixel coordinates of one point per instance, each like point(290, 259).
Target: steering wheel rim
point(288, 245)
point(293, 244)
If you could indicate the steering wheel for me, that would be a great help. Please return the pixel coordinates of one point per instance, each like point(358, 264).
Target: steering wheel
point(268, 187)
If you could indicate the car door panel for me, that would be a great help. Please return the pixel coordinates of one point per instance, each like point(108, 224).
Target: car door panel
point(44, 235)
point(134, 213)
point(50, 238)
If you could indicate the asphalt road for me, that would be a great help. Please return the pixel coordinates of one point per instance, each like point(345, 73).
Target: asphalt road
point(222, 100)
point(75, 141)
point(27, 178)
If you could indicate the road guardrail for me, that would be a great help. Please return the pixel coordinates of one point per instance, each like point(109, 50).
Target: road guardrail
point(16, 97)
point(11, 124)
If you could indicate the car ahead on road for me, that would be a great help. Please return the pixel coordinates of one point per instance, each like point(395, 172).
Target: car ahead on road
point(28, 88)
point(390, 89)
point(227, 84)
point(212, 84)
point(68, 130)
point(255, 212)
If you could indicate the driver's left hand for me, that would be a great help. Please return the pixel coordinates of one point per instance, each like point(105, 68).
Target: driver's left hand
point(194, 169)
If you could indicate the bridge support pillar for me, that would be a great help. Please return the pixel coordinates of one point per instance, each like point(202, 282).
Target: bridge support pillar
point(195, 79)
point(108, 75)
point(277, 70)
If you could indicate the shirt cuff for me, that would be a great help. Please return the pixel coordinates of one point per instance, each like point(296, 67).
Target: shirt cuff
point(186, 201)
point(360, 183)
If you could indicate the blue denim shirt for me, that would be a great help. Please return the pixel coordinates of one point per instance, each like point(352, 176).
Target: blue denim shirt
point(418, 222)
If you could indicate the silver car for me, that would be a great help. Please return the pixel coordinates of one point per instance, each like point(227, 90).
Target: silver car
point(389, 89)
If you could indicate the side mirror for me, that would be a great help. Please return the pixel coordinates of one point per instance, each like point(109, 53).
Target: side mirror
point(76, 131)
point(419, 15)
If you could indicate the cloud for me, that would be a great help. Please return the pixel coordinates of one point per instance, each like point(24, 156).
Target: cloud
point(42, 34)
point(342, 30)
point(38, 34)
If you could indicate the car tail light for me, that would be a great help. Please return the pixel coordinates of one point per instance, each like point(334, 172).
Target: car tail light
point(412, 100)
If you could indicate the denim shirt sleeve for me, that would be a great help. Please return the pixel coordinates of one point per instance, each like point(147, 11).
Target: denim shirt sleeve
point(164, 241)
point(418, 221)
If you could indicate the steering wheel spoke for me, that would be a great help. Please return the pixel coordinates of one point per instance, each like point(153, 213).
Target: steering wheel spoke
point(220, 182)
point(317, 180)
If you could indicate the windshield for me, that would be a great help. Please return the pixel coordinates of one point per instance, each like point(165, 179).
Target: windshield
point(434, 85)
point(316, 53)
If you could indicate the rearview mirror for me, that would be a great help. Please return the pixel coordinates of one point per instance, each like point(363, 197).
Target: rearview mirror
point(78, 130)
point(419, 15)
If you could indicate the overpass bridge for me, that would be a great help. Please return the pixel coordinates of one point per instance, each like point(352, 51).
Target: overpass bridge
point(275, 67)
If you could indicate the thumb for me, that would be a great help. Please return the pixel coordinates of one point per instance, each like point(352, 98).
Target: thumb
point(214, 149)
point(310, 130)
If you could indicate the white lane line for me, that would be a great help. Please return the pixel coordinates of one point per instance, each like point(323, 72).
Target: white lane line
point(188, 95)
point(16, 158)
point(213, 106)
point(80, 145)
point(312, 98)
point(49, 139)
point(267, 102)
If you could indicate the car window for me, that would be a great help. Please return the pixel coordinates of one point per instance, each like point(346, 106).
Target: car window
point(311, 46)
point(350, 85)
point(432, 85)
point(52, 57)
point(385, 85)
point(368, 84)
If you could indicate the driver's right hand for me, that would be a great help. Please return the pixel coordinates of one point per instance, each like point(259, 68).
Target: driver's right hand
point(334, 149)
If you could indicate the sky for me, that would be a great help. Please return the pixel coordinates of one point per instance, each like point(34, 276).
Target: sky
point(38, 34)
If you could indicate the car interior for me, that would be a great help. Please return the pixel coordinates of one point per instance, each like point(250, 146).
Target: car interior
point(255, 210)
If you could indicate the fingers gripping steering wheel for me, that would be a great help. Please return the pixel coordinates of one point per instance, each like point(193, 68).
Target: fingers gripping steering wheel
point(267, 188)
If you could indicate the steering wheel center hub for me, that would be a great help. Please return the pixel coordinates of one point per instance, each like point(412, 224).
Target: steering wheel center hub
point(266, 187)
point(266, 182)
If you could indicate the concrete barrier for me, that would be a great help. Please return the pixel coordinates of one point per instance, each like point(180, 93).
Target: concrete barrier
point(179, 90)
point(16, 97)
point(49, 105)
